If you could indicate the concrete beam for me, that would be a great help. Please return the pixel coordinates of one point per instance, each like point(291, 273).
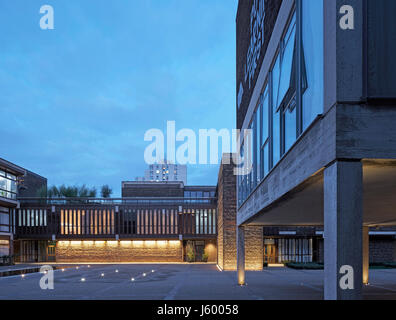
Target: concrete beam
point(343, 216)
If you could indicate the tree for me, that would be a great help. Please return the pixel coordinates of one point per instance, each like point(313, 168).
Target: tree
point(64, 191)
point(106, 191)
point(53, 192)
point(92, 193)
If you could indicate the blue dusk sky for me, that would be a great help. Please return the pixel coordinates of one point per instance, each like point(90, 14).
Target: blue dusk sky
point(75, 102)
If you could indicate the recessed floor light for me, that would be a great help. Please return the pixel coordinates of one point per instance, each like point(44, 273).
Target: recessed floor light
point(133, 279)
point(82, 279)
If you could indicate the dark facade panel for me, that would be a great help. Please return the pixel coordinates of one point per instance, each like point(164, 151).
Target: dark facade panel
point(162, 190)
point(255, 23)
point(381, 46)
point(31, 186)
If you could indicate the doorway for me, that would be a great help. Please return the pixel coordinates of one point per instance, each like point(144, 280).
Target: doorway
point(270, 254)
point(199, 250)
point(51, 252)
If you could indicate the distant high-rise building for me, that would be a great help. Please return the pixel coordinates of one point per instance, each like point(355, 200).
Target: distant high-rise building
point(165, 171)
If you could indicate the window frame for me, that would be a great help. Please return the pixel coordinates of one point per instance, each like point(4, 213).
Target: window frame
point(294, 98)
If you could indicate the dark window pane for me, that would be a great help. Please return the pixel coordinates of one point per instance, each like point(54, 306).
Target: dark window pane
point(290, 125)
point(312, 30)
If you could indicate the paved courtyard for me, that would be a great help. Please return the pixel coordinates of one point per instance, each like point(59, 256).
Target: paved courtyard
point(182, 282)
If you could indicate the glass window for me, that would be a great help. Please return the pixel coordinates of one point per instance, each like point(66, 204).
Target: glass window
point(276, 116)
point(312, 38)
point(8, 188)
point(290, 124)
point(286, 63)
point(251, 181)
point(258, 161)
point(11, 176)
point(253, 173)
point(4, 220)
point(266, 159)
point(265, 106)
point(3, 183)
point(265, 116)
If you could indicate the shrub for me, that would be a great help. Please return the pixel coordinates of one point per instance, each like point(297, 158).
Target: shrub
point(205, 257)
point(190, 253)
point(304, 266)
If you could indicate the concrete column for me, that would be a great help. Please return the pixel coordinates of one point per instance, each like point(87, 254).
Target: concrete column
point(241, 255)
point(366, 255)
point(343, 223)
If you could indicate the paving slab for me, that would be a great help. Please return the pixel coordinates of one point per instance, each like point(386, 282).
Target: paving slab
point(182, 282)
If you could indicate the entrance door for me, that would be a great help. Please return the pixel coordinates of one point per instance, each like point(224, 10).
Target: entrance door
point(270, 255)
point(51, 253)
point(199, 250)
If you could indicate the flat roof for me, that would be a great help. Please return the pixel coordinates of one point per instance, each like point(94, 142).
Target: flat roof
point(11, 167)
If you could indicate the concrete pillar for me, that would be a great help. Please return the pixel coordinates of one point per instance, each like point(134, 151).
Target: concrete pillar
point(11, 245)
point(343, 223)
point(366, 255)
point(241, 255)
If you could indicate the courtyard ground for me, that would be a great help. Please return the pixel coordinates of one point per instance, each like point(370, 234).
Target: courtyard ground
point(182, 282)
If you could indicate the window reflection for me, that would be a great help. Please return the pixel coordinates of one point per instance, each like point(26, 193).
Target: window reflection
point(312, 34)
point(8, 185)
point(287, 94)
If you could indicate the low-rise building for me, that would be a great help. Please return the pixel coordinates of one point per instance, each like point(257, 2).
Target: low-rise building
point(14, 181)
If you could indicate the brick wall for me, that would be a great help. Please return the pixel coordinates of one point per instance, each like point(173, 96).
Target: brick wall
point(382, 249)
point(226, 240)
point(211, 250)
point(226, 211)
point(114, 251)
point(254, 248)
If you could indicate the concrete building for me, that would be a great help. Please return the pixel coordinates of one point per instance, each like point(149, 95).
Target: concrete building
point(315, 83)
point(14, 181)
point(165, 172)
point(152, 222)
point(9, 175)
